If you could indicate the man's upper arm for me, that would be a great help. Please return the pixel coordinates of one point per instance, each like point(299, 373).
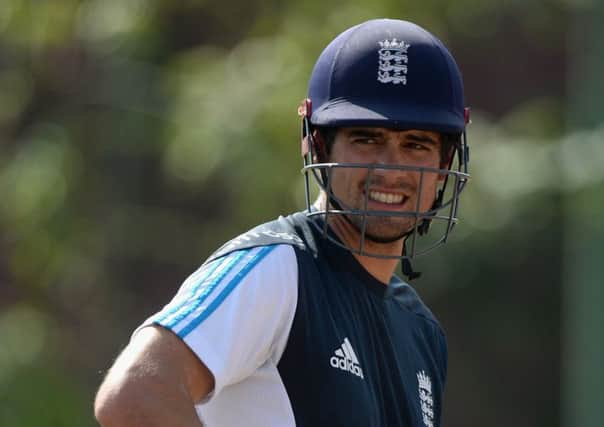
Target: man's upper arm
point(156, 376)
point(229, 318)
point(160, 349)
point(236, 312)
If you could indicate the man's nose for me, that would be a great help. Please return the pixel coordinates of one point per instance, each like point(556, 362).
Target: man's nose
point(392, 158)
point(391, 154)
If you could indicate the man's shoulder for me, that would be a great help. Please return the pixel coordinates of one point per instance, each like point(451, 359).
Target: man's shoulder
point(407, 297)
point(293, 230)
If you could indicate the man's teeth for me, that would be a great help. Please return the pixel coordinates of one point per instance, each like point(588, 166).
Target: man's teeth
point(386, 197)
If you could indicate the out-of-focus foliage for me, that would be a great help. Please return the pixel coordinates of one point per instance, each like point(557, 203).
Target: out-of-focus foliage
point(137, 136)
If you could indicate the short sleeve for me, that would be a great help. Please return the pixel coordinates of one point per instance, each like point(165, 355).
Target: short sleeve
point(236, 312)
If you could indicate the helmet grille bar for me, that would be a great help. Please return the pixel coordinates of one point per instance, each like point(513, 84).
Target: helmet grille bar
point(323, 173)
point(417, 212)
point(365, 201)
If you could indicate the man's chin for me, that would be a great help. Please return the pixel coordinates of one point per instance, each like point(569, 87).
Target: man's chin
point(384, 234)
point(384, 239)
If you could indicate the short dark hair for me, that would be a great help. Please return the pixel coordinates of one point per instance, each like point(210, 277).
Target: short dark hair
point(448, 141)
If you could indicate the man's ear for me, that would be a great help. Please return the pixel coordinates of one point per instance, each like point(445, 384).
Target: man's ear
point(304, 148)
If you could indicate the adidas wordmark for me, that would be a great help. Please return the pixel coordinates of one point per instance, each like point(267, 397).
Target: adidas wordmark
point(346, 360)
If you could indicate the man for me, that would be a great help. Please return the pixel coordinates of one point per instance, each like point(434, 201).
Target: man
point(301, 321)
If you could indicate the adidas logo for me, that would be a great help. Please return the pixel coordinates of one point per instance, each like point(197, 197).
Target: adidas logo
point(346, 360)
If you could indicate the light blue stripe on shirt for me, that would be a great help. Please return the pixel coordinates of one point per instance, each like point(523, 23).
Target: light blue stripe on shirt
point(202, 289)
point(173, 307)
point(226, 291)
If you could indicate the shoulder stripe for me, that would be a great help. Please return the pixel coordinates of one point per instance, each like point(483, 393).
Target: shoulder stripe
point(202, 289)
point(172, 309)
point(251, 263)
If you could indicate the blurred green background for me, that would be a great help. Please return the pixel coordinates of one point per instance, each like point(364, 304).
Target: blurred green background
point(137, 136)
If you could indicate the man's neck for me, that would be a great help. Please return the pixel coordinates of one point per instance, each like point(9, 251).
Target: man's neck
point(380, 268)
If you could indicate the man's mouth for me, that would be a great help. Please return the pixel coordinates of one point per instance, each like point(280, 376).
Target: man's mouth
point(387, 198)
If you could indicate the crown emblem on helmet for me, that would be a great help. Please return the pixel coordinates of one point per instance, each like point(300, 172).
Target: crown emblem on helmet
point(395, 45)
point(393, 61)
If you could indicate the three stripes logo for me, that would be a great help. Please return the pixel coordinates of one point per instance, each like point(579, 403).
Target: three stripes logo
point(346, 360)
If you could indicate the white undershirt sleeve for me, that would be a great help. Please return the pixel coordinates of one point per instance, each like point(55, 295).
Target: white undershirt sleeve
point(236, 312)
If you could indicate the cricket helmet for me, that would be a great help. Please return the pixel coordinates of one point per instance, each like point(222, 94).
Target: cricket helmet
point(392, 74)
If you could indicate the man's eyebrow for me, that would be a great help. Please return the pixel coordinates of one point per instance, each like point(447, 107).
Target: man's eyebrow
point(422, 138)
point(365, 133)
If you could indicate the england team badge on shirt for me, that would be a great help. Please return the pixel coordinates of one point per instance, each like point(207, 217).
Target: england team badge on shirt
point(425, 398)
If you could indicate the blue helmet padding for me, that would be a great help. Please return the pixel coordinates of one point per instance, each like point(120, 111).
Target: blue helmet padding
point(345, 90)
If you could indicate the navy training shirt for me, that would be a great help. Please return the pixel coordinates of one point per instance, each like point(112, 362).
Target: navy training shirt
point(354, 356)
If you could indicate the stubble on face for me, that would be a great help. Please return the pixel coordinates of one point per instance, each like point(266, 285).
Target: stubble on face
point(394, 222)
point(385, 226)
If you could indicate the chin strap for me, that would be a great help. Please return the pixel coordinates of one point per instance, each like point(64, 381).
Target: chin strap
point(408, 270)
point(406, 266)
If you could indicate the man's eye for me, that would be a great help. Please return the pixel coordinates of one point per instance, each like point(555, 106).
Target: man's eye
point(415, 146)
point(367, 141)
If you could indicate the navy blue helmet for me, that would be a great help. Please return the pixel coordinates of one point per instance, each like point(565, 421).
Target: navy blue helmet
point(391, 74)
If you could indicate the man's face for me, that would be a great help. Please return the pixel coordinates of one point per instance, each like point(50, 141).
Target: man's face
point(389, 190)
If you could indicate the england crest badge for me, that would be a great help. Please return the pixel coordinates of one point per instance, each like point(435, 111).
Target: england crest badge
point(393, 62)
point(426, 401)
